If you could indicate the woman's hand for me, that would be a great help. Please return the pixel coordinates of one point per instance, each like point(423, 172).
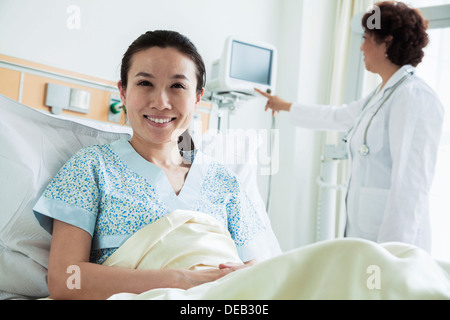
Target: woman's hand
point(236, 266)
point(191, 279)
point(275, 103)
point(188, 278)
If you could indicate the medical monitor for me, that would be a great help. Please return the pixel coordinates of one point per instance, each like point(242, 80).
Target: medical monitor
point(244, 65)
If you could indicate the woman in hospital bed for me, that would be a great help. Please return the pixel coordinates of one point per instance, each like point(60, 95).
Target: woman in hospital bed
point(142, 219)
point(106, 193)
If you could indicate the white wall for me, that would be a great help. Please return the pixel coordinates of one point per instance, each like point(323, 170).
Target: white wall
point(305, 73)
point(36, 30)
point(302, 30)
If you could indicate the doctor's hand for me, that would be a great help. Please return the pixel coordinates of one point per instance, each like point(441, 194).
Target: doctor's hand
point(275, 103)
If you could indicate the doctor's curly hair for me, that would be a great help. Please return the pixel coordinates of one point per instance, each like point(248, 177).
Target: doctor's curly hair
point(408, 28)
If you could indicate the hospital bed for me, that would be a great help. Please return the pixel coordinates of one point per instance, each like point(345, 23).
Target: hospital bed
point(34, 145)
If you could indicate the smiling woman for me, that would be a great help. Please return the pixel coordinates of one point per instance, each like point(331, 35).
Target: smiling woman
point(106, 193)
point(161, 98)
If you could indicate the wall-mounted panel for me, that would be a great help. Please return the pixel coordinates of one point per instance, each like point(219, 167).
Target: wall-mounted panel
point(27, 82)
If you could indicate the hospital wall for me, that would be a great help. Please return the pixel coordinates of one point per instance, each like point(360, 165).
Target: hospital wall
point(304, 74)
point(37, 31)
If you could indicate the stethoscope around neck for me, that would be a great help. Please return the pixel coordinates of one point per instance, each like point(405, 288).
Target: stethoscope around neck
point(364, 150)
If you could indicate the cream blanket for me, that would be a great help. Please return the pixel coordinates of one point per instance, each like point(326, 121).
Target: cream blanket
point(337, 269)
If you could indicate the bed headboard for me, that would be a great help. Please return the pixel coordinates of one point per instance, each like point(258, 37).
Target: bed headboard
point(26, 82)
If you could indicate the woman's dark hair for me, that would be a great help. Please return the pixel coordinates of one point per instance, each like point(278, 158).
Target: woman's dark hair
point(407, 27)
point(164, 39)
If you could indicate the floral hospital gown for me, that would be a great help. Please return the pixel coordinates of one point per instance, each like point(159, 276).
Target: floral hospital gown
point(111, 192)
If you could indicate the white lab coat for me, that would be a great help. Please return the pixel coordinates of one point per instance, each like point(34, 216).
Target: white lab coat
point(388, 190)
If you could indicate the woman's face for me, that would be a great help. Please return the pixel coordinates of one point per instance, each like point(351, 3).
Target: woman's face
point(161, 95)
point(374, 53)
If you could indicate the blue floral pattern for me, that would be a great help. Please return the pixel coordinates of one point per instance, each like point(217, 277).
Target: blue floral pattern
point(97, 181)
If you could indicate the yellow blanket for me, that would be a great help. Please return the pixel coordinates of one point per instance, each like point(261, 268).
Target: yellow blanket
point(337, 269)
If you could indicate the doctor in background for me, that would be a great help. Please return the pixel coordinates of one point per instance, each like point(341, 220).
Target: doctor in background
point(392, 135)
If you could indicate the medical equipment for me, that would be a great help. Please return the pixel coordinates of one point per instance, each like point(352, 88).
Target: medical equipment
point(244, 66)
point(116, 108)
point(364, 150)
point(59, 97)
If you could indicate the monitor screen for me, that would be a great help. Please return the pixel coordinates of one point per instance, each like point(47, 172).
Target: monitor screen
point(251, 63)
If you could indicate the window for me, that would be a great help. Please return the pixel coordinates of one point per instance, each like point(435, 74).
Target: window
point(425, 3)
point(435, 70)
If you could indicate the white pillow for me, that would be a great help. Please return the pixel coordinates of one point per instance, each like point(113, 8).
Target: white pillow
point(33, 147)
